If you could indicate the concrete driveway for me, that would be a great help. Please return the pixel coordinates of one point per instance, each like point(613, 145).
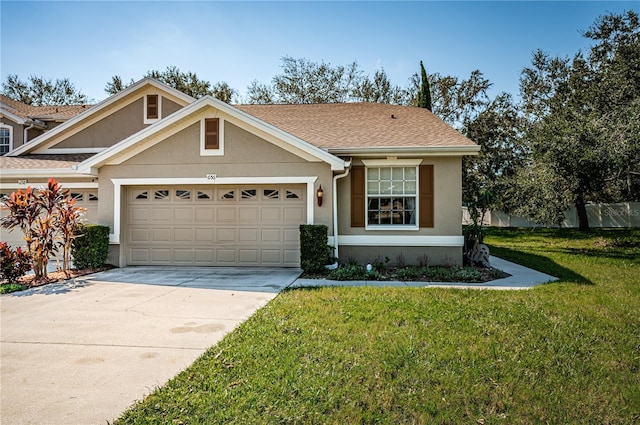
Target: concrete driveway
point(84, 351)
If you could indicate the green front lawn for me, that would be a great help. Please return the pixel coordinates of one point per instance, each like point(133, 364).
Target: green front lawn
point(567, 352)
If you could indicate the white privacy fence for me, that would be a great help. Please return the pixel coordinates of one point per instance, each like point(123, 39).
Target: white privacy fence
point(600, 215)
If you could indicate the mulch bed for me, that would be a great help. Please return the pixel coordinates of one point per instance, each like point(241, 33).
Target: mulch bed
point(31, 281)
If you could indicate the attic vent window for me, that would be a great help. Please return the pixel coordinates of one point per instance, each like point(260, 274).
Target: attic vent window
point(212, 137)
point(152, 108)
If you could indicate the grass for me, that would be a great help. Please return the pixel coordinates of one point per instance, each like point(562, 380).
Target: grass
point(566, 352)
point(7, 288)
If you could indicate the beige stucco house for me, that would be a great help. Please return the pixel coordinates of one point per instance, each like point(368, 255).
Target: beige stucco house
point(181, 181)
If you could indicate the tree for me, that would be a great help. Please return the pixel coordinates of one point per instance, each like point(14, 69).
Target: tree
point(186, 82)
point(498, 130)
point(47, 217)
point(424, 96)
point(378, 90)
point(583, 123)
point(303, 81)
point(39, 91)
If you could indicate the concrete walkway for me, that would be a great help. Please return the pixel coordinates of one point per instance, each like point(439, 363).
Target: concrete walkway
point(521, 278)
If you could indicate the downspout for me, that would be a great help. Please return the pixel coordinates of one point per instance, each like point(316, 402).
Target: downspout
point(335, 206)
point(26, 132)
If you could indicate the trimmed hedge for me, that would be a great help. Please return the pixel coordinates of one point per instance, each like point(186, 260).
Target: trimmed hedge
point(90, 248)
point(314, 251)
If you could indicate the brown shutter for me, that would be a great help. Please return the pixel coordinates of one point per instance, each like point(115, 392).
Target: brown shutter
point(426, 195)
point(211, 139)
point(358, 196)
point(152, 106)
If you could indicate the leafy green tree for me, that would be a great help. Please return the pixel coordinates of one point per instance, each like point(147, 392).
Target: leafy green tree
point(303, 81)
point(378, 90)
point(424, 96)
point(39, 91)
point(186, 82)
point(583, 123)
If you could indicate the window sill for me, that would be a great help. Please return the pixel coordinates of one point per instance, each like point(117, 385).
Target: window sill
point(403, 228)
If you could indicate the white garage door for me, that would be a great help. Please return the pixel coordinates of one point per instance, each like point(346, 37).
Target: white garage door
point(215, 225)
point(86, 198)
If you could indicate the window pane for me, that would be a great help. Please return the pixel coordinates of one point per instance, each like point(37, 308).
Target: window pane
point(410, 173)
point(397, 173)
point(161, 194)
point(373, 188)
point(183, 194)
point(373, 174)
point(385, 188)
point(385, 173)
point(410, 188)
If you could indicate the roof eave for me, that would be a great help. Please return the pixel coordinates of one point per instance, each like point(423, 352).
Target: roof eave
point(33, 144)
point(408, 151)
point(46, 172)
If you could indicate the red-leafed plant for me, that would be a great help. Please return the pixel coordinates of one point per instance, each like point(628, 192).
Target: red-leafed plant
point(47, 217)
point(13, 263)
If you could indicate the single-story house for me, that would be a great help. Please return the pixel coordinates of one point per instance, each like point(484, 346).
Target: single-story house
point(181, 181)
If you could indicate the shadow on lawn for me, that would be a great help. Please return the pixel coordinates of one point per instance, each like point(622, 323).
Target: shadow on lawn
point(539, 263)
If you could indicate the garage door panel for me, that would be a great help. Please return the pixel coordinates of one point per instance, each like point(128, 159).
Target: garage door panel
point(205, 235)
point(226, 256)
point(183, 215)
point(205, 214)
point(161, 235)
point(271, 235)
point(294, 214)
point(271, 214)
point(183, 235)
point(227, 215)
point(160, 214)
point(248, 214)
point(227, 235)
point(248, 235)
point(160, 255)
point(248, 256)
point(291, 236)
point(271, 256)
point(223, 226)
point(183, 256)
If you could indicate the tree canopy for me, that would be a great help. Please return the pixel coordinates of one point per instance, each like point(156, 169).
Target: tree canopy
point(186, 82)
point(40, 91)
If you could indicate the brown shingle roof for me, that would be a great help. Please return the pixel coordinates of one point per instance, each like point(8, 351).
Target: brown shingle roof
point(55, 112)
point(41, 162)
point(360, 125)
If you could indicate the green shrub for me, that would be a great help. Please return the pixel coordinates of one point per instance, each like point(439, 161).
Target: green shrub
point(353, 272)
point(314, 251)
point(91, 246)
point(7, 288)
point(13, 263)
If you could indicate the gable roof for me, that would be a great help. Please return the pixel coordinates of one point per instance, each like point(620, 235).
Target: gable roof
point(41, 164)
point(143, 139)
point(354, 127)
point(27, 113)
point(96, 109)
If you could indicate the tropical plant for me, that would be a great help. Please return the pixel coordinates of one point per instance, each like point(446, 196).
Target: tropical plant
point(13, 263)
point(47, 218)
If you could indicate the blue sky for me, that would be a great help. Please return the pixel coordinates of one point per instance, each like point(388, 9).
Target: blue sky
point(237, 42)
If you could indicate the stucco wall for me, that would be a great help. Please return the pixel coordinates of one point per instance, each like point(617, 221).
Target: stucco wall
point(17, 131)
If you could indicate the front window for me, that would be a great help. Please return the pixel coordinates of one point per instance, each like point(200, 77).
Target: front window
point(5, 140)
point(391, 196)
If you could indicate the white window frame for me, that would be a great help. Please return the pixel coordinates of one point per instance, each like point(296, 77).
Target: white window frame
point(393, 162)
point(152, 120)
point(8, 127)
point(212, 152)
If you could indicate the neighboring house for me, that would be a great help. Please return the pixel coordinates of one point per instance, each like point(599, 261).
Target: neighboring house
point(20, 123)
point(181, 181)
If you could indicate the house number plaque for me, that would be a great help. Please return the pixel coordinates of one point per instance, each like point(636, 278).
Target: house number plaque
point(211, 176)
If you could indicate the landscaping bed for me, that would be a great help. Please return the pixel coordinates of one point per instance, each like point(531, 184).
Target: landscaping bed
point(31, 281)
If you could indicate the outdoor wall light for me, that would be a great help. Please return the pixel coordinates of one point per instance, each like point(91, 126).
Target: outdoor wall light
point(319, 195)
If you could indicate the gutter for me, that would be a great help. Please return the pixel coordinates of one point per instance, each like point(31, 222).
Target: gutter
point(347, 166)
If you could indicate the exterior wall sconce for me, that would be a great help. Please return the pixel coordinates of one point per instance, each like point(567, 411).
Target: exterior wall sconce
point(319, 195)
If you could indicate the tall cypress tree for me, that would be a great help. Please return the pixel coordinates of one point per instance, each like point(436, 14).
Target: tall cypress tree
point(424, 96)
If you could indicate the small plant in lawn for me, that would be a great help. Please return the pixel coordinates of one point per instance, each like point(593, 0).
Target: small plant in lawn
point(353, 272)
point(7, 288)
